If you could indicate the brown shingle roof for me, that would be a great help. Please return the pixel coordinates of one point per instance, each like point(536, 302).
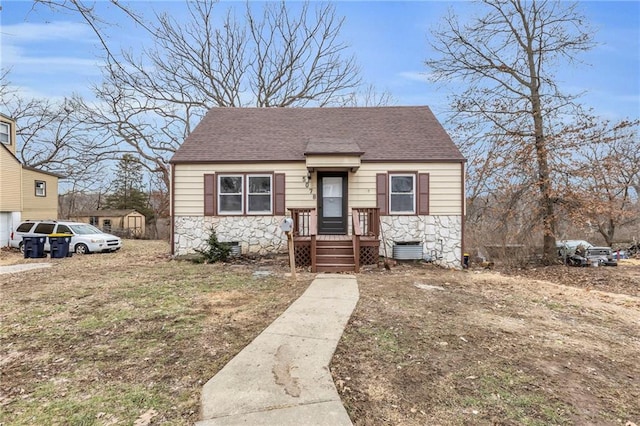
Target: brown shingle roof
point(284, 134)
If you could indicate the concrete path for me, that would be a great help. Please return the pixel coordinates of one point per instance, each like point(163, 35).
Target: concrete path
point(282, 377)
point(12, 269)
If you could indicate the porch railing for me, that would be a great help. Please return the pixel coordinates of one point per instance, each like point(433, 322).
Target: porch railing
point(357, 233)
point(305, 222)
point(368, 220)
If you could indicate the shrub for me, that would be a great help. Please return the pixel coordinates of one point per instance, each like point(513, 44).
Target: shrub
point(216, 250)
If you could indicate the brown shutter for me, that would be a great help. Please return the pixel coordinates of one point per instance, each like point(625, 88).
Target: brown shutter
point(423, 193)
point(209, 195)
point(382, 196)
point(279, 194)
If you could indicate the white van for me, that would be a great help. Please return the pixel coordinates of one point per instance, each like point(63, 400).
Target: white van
point(85, 238)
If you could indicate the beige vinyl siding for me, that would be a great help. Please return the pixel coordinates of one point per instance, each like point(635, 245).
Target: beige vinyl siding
point(10, 183)
point(319, 161)
point(188, 184)
point(39, 207)
point(444, 183)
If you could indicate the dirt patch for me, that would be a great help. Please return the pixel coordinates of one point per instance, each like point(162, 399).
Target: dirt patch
point(550, 346)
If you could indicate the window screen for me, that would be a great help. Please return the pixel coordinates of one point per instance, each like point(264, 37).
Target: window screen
point(402, 194)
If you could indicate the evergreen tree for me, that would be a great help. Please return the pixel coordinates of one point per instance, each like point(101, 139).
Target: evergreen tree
point(129, 192)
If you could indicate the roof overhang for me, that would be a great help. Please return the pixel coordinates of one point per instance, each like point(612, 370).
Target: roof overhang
point(335, 154)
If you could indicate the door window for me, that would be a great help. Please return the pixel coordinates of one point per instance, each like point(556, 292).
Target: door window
point(332, 197)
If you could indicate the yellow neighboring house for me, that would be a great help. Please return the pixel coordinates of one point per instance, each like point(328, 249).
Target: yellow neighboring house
point(25, 192)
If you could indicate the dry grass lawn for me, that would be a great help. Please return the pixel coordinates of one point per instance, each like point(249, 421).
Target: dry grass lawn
point(132, 337)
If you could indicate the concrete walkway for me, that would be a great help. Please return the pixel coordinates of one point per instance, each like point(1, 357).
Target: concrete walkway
point(282, 377)
point(12, 269)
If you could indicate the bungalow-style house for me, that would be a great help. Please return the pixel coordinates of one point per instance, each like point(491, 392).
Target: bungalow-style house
point(126, 222)
point(25, 192)
point(357, 182)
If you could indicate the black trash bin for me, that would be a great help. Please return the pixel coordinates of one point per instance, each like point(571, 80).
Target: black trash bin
point(33, 246)
point(59, 244)
point(465, 260)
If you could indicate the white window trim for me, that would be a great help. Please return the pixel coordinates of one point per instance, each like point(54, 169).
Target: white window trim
point(44, 188)
point(263, 212)
point(414, 179)
point(221, 194)
point(7, 127)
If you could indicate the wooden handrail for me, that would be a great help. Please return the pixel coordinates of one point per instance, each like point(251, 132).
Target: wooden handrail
point(355, 217)
point(313, 231)
point(357, 232)
point(368, 220)
point(313, 222)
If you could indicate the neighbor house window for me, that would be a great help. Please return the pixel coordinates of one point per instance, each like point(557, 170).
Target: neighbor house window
point(230, 194)
point(93, 220)
point(41, 188)
point(245, 194)
point(402, 194)
point(5, 134)
point(106, 225)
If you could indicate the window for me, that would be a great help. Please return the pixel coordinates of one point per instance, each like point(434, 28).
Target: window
point(106, 225)
point(245, 194)
point(25, 227)
point(402, 194)
point(5, 134)
point(41, 188)
point(259, 194)
point(44, 228)
point(93, 220)
point(63, 229)
point(230, 194)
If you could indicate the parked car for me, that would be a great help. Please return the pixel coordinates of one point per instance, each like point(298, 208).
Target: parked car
point(583, 253)
point(85, 238)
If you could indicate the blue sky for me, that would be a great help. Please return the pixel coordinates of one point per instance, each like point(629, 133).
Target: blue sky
point(53, 55)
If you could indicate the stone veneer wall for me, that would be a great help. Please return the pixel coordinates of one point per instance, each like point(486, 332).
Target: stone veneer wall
point(256, 234)
point(440, 236)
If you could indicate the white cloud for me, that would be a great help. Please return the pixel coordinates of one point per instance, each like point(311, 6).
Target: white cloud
point(49, 32)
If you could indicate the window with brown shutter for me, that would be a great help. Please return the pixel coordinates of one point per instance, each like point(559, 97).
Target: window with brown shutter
point(402, 193)
point(209, 195)
point(382, 193)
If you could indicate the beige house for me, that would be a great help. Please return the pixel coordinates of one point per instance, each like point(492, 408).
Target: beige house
point(356, 182)
point(129, 223)
point(25, 192)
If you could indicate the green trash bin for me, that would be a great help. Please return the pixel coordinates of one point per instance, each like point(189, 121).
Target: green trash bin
point(59, 245)
point(33, 246)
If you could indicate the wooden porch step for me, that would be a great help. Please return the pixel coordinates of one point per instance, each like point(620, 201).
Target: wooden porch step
point(335, 268)
point(335, 259)
point(331, 251)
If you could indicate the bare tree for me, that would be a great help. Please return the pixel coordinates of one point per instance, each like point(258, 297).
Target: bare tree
point(270, 57)
point(505, 59)
point(600, 186)
point(55, 137)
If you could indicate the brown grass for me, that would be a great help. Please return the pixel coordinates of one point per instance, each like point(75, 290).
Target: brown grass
point(115, 338)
